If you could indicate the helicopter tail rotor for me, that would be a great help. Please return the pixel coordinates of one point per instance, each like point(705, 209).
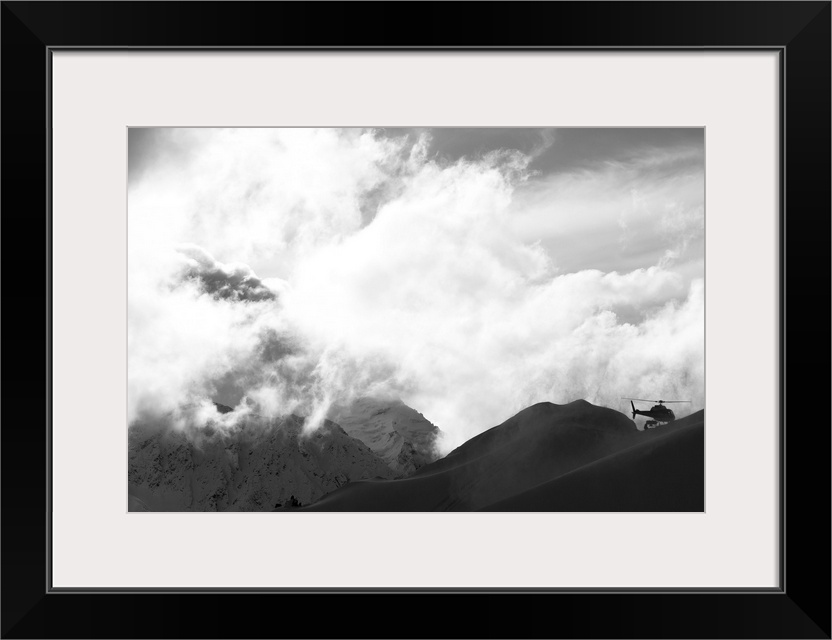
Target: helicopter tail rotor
point(634, 409)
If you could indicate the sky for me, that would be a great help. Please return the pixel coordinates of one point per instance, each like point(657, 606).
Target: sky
point(469, 272)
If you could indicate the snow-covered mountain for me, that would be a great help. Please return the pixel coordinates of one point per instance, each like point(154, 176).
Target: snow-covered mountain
point(399, 435)
point(260, 467)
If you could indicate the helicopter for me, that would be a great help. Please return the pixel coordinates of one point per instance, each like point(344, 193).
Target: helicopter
point(659, 413)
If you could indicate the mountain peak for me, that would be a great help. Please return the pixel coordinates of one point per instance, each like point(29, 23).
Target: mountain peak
point(398, 434)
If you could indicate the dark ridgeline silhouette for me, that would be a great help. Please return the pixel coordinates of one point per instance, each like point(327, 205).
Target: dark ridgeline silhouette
point(573, 457)
point(659, 413)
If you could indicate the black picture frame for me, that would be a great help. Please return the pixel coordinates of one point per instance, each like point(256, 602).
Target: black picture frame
point(799, 31)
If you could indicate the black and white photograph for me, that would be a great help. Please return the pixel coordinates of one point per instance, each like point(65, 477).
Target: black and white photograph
point(416, 319)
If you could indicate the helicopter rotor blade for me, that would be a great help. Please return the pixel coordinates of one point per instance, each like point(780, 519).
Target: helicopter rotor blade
point(659, 401)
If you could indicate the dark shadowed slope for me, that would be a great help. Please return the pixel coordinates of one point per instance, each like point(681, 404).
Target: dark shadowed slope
point(538, 445)
point(665, 473)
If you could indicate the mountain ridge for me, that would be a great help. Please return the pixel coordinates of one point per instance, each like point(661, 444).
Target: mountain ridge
point(255, 468)
point(532, 448)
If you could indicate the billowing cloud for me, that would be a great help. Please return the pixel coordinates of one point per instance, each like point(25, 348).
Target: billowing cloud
point(315, 266)
point(618, 214)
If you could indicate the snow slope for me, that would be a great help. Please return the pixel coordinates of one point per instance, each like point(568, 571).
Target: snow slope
point(572, 457)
